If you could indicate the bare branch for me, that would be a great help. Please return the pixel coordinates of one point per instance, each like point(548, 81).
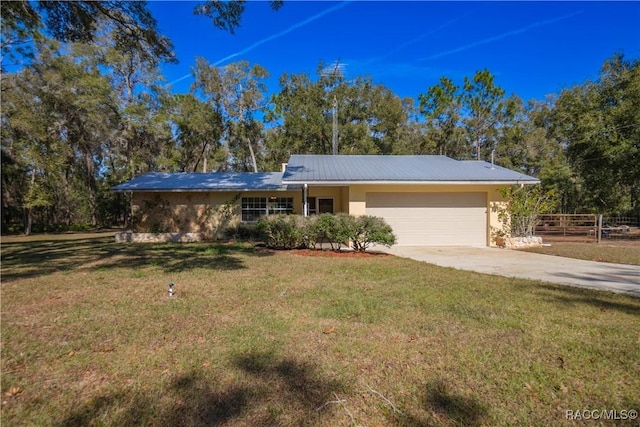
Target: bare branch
point(377, 393)
point(341, 403)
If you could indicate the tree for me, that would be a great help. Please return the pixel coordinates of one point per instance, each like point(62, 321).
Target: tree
point(485, 111)
point(599, 123)
point(370, 118)
point(198, 131)
point(57, 115)
point(526, 144)
point(135, 80)
point(226, 15)
point(142, 136)
point(19, 30)
point(524, 204)
point(236, 93)
point(31, 155)
point(302, 112)
point(441, 108)
point(80, 21)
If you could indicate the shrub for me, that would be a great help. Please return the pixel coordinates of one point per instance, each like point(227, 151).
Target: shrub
point(520, 215)
point(365, 230)
point(293, 231)
point(244, 232)
point(281, 231)
point(326, 228)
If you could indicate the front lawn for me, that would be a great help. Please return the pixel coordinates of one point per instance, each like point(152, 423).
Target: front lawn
point(257, 337)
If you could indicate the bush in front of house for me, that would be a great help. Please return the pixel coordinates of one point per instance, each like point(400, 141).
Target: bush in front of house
point(242, 232)
point(281, 231)
point(365, 230)
point(293, 231)
point(327, 228)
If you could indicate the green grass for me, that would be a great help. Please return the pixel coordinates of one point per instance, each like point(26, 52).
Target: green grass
point(619, 252)
point(90, 337)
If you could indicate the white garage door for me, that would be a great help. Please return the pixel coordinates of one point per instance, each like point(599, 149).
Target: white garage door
point(433, 219)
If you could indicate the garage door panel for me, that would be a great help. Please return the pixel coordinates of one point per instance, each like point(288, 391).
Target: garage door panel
point(433, 219)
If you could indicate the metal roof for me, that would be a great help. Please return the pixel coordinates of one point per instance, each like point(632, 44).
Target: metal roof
point(336, 170)
point(214, 181)
point(344, 169)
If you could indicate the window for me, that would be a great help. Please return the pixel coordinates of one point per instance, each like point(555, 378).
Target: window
point(280, 205)
point(255, 207)
point(325, 205)
point(311, 202)
point(319, 205)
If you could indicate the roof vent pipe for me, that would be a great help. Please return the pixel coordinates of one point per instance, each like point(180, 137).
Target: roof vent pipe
point(492, 160)
point(284, 167)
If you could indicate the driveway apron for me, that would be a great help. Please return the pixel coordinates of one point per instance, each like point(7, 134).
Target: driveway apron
point(618, 278)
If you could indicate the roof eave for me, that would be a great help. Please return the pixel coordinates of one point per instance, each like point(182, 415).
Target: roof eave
point(507, 182)
point(197, 190)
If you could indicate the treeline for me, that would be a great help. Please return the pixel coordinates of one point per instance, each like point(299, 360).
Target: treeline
point(85, 113)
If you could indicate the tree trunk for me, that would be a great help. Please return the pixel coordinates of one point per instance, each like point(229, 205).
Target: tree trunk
point(27, 222)
point(253, 156)
point(91, 186)
point(204, 163)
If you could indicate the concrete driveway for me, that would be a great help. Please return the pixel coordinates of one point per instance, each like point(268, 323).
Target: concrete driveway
point(510, 263)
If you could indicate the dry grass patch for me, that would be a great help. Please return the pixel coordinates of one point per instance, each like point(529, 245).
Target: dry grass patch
point(619, 252)
point(89, 336)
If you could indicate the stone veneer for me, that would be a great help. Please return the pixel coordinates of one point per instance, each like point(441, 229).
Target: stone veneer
point(518, 242)
point(128, 236)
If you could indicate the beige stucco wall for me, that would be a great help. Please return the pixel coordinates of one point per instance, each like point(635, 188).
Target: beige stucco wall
point(335, 193)
point(496, 202)
point(200, 212)
point(195, 212)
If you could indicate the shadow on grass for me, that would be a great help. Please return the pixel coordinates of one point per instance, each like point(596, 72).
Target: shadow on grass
point(39, 258)
point(571, 296)
point(193, 406)
point(448, 408)
point(298, 383)
point(460, 409)
point(272, 391)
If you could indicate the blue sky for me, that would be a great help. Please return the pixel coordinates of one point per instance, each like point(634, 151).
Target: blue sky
point(532, 48)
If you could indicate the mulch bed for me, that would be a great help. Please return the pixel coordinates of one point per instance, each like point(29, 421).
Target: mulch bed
point(335, 254)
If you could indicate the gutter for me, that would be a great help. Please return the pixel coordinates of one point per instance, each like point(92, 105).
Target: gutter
point(197, 190)
point(333, 183)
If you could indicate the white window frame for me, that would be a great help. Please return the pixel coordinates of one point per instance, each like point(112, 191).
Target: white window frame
point(264, 206)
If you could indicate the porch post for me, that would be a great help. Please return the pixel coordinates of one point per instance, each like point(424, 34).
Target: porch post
point(305, 202)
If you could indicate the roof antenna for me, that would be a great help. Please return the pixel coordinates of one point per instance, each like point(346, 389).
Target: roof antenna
point(336, 70)
point(334, 134)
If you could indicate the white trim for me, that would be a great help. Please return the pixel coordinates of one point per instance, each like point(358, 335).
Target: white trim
point(342, 183)
point(204, 190)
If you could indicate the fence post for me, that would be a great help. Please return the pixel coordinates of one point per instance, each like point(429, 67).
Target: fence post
point(599, 228)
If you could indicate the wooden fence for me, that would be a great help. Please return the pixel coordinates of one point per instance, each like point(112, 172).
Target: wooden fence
point(567, 224)
point(586, 226)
